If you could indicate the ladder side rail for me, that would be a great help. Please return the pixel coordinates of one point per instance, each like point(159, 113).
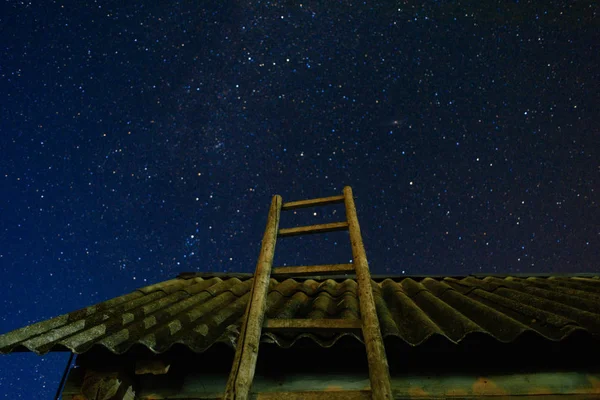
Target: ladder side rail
point(378, 366)
point(246, 352)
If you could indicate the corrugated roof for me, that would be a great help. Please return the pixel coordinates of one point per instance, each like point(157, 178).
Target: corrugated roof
point(198, 312)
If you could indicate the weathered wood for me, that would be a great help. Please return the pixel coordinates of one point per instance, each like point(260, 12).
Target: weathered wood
point(378, 365)
point(292, 205)
point(325, 395)
point(297, 324)
point(571, 383)
point(305, 230)
point(325, 269)
point(107, 385)
point(560, 385)
point(73, 384)
point(154, 367)
point(246, 353)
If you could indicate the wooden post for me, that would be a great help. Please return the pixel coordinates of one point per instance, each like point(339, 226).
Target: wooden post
point(246, 352)
point(378, 365)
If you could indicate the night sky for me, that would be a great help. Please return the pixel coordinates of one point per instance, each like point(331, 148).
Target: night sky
point(140, 141)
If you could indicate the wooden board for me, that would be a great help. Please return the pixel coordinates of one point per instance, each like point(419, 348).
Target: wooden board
point(378, 365)
point(307, 270)
point(244, 362)
point(292, 205)
point(306, 230)
point(311, 325)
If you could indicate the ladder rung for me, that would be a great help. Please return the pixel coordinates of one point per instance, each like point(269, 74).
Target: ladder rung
point(292, 205)
point(301, 324)
point(304, 270)
point(317, 395)
point(305, 230)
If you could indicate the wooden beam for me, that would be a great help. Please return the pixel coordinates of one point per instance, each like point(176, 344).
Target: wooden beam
point(378, 365)
point(307, 324)
point(325, 269)
point(292, 205)
point(246, 352)
point(317, 395)
point(562, 385)
point(306, 230)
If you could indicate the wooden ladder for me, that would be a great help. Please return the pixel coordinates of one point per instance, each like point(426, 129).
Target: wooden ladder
point(246, 354)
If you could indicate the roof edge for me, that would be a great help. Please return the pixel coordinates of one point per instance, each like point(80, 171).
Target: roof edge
point(247, 275)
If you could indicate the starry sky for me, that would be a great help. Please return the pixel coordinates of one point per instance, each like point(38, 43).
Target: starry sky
point(147, 139)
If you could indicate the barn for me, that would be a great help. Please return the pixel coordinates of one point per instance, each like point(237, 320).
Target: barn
point(331, 332)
